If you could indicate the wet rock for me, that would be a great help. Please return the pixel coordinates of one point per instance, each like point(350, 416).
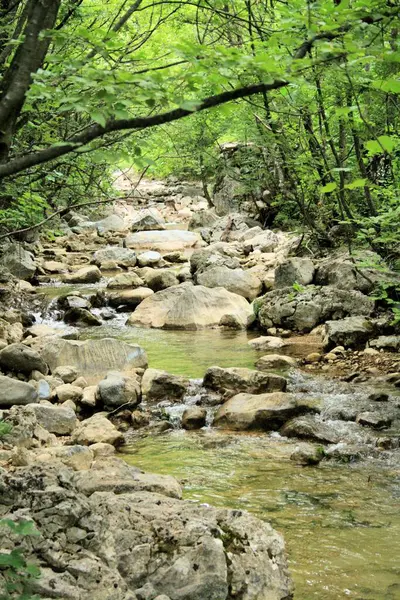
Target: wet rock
point(237, 281)
point(378, 397)
point(194, 417)
point(374, 419)
point(97, 429)
point(148, 259)
point(304, 310)
point(162, 281)
point(70, 302)
point(243, 380)
point(294, 270)
point(55, 419)
point(13, 392)
point(94, 356)
point(67, 373)
point(125, 281)
point(117, 389)
point(81, 317)
point(163, 241)
point(160, 385)
point(307, 454)
point(346, 452)
point(352, 332)
point(331, 432)
point(122, 256)
point(22, 359)
point(130, 298)
point(18, 261)
point(190, 307)
point(275, 361)
point(265, 412)
point(90, 274)
point(389, 343)
point(267, 342)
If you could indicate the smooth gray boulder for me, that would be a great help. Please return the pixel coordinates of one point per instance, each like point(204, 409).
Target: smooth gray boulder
point(262, 412)
point(22, 359)
point(190, 307)
point(294, 270)
point(13, 391)
point(55, 419)
point(160, 385)
point(237, 380)
point(352, 332)
point(19, 261)
point(117, 389)
point(149, 258)
point(122, 256)
point(89, 274)
point(237, 281)
point(110, 224)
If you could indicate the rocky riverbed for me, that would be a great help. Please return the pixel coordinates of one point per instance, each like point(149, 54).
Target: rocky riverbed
point(153, 319)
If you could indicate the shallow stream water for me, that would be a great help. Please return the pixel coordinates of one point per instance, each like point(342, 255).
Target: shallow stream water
point(341, 522)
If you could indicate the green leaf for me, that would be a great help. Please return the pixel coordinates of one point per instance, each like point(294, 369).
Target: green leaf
point(329, 187)
point(391, 86)
point(357, 183)
point(99, 117)
point(384, 143)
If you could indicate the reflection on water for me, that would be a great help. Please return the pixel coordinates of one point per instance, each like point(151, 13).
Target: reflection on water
point(341, 523)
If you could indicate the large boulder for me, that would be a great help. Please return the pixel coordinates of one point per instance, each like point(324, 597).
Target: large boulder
point(160, 385)
point(237, 281)
point(304, 310)
point(94, 357)
point(110, 224)
point(194, 417)
point(13, 392)
point(89, 274)
point(163, 241)
point(22, 359)
point(81, 317)
point(190, 307)
point(237, 380)
point(55, 419)
point(316, 429)
point(138, 544)
point(97, 429)
point(352, 332)
point(348, 273)
point(124, 281)
point(122, 256)
point(265, 412)
point(294, 270)
point(117, 389)
point(131, 298)
point(19, 261)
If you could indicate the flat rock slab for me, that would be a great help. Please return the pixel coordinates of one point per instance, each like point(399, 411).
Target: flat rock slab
point(13, 391)
point(93, 358)
point(163, 241)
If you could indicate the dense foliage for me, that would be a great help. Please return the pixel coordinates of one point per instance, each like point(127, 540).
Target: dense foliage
point(88, 86)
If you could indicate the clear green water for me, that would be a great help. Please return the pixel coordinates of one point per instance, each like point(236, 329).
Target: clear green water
point(341, 523)
point(187, 353)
